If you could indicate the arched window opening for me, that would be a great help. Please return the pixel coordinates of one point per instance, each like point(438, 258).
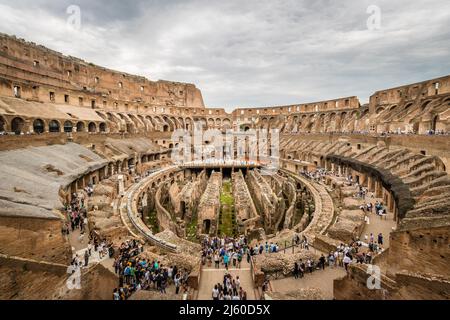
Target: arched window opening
point(68, 126)
point(38, 126)
point(53, 126)
point(80, 126)
point(17, 125)
point(92, 127)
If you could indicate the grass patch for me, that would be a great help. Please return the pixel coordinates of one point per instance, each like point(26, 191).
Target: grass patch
point(152, 222)
point(227, 219)
point(191, 229)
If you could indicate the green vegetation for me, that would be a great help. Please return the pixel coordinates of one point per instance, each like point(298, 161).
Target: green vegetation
point(152, 222)
point(227, 218)
point(191, 229)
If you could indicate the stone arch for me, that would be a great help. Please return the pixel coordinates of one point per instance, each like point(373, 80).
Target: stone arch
point(80, 126)
point(102, 127)
point(39, 126)
point(68, 126)
point(2, 124)
point(226, 124)
point(17, 125)
point(169, 122)
point(434, 122)
point(187, 124)
point(130, 127)
point(92, 127)
point(425, 105)
point(379, 110)
point(408, 106)
point(54, 126)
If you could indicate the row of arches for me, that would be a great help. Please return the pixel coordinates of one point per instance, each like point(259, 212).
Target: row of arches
point(18, 126)
point(134, 123)
point(324, 122)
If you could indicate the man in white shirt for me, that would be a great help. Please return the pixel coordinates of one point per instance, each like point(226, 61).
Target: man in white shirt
point(347, 261)
point(215, 293)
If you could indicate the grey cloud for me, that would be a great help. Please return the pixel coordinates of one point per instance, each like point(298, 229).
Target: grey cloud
point(251, 53)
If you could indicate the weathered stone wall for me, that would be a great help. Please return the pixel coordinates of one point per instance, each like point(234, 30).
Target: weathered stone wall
point(424, 249)
point(49, 70)
point(243, 203)
point(209, 207)
point(267, 203)
point(32, 238)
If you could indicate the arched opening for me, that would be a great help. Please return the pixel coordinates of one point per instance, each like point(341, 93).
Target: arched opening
point(102, 127)
point(92, 127)
point(68, 127)
point(206, 226)
point(182, 209)
point(17, 125)
point(80, 126)
point(38, 126)
point(434, 122)
point(425, 104)
point(2, 124)
point(53, 126)
point(166, 128)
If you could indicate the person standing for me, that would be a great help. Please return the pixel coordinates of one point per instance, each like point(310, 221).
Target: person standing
point(86, 258)
point(346, 261)
point(322, 261)
point(295, 270)
point(215, 293)
point(177, 283)
point(380, 239)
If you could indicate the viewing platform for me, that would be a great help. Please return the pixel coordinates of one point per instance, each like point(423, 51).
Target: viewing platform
point(229, 164)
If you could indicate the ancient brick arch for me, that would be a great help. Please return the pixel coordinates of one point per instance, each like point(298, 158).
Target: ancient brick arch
point(379, 110)
point(92, 127)
point(2, 124)
point(39, 126)
point(80, 126)
point(54, 126)
point(425, 104)
point(17, 125)
point(68, 126)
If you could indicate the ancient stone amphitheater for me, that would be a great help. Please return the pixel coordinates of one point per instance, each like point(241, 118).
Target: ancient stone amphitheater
point(67, 124)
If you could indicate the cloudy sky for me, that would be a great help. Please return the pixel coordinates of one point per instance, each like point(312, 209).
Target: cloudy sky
point(253, 52)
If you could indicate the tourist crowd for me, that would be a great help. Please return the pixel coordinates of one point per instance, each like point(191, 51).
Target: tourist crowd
point(229, 289)
point(342, 257)
point(136, 273)
point(76, 214)
point(227, 252)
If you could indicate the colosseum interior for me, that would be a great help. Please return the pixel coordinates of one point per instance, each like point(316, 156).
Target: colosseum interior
point(80, 138)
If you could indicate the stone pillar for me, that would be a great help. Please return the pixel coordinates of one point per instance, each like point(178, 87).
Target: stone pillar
point(378, 189)
point(369, 183)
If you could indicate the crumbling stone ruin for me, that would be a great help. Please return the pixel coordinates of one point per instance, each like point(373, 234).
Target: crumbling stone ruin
point(209, 206)
point(70, 129)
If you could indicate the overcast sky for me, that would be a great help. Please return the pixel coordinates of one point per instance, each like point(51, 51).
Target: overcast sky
point(249, 53)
